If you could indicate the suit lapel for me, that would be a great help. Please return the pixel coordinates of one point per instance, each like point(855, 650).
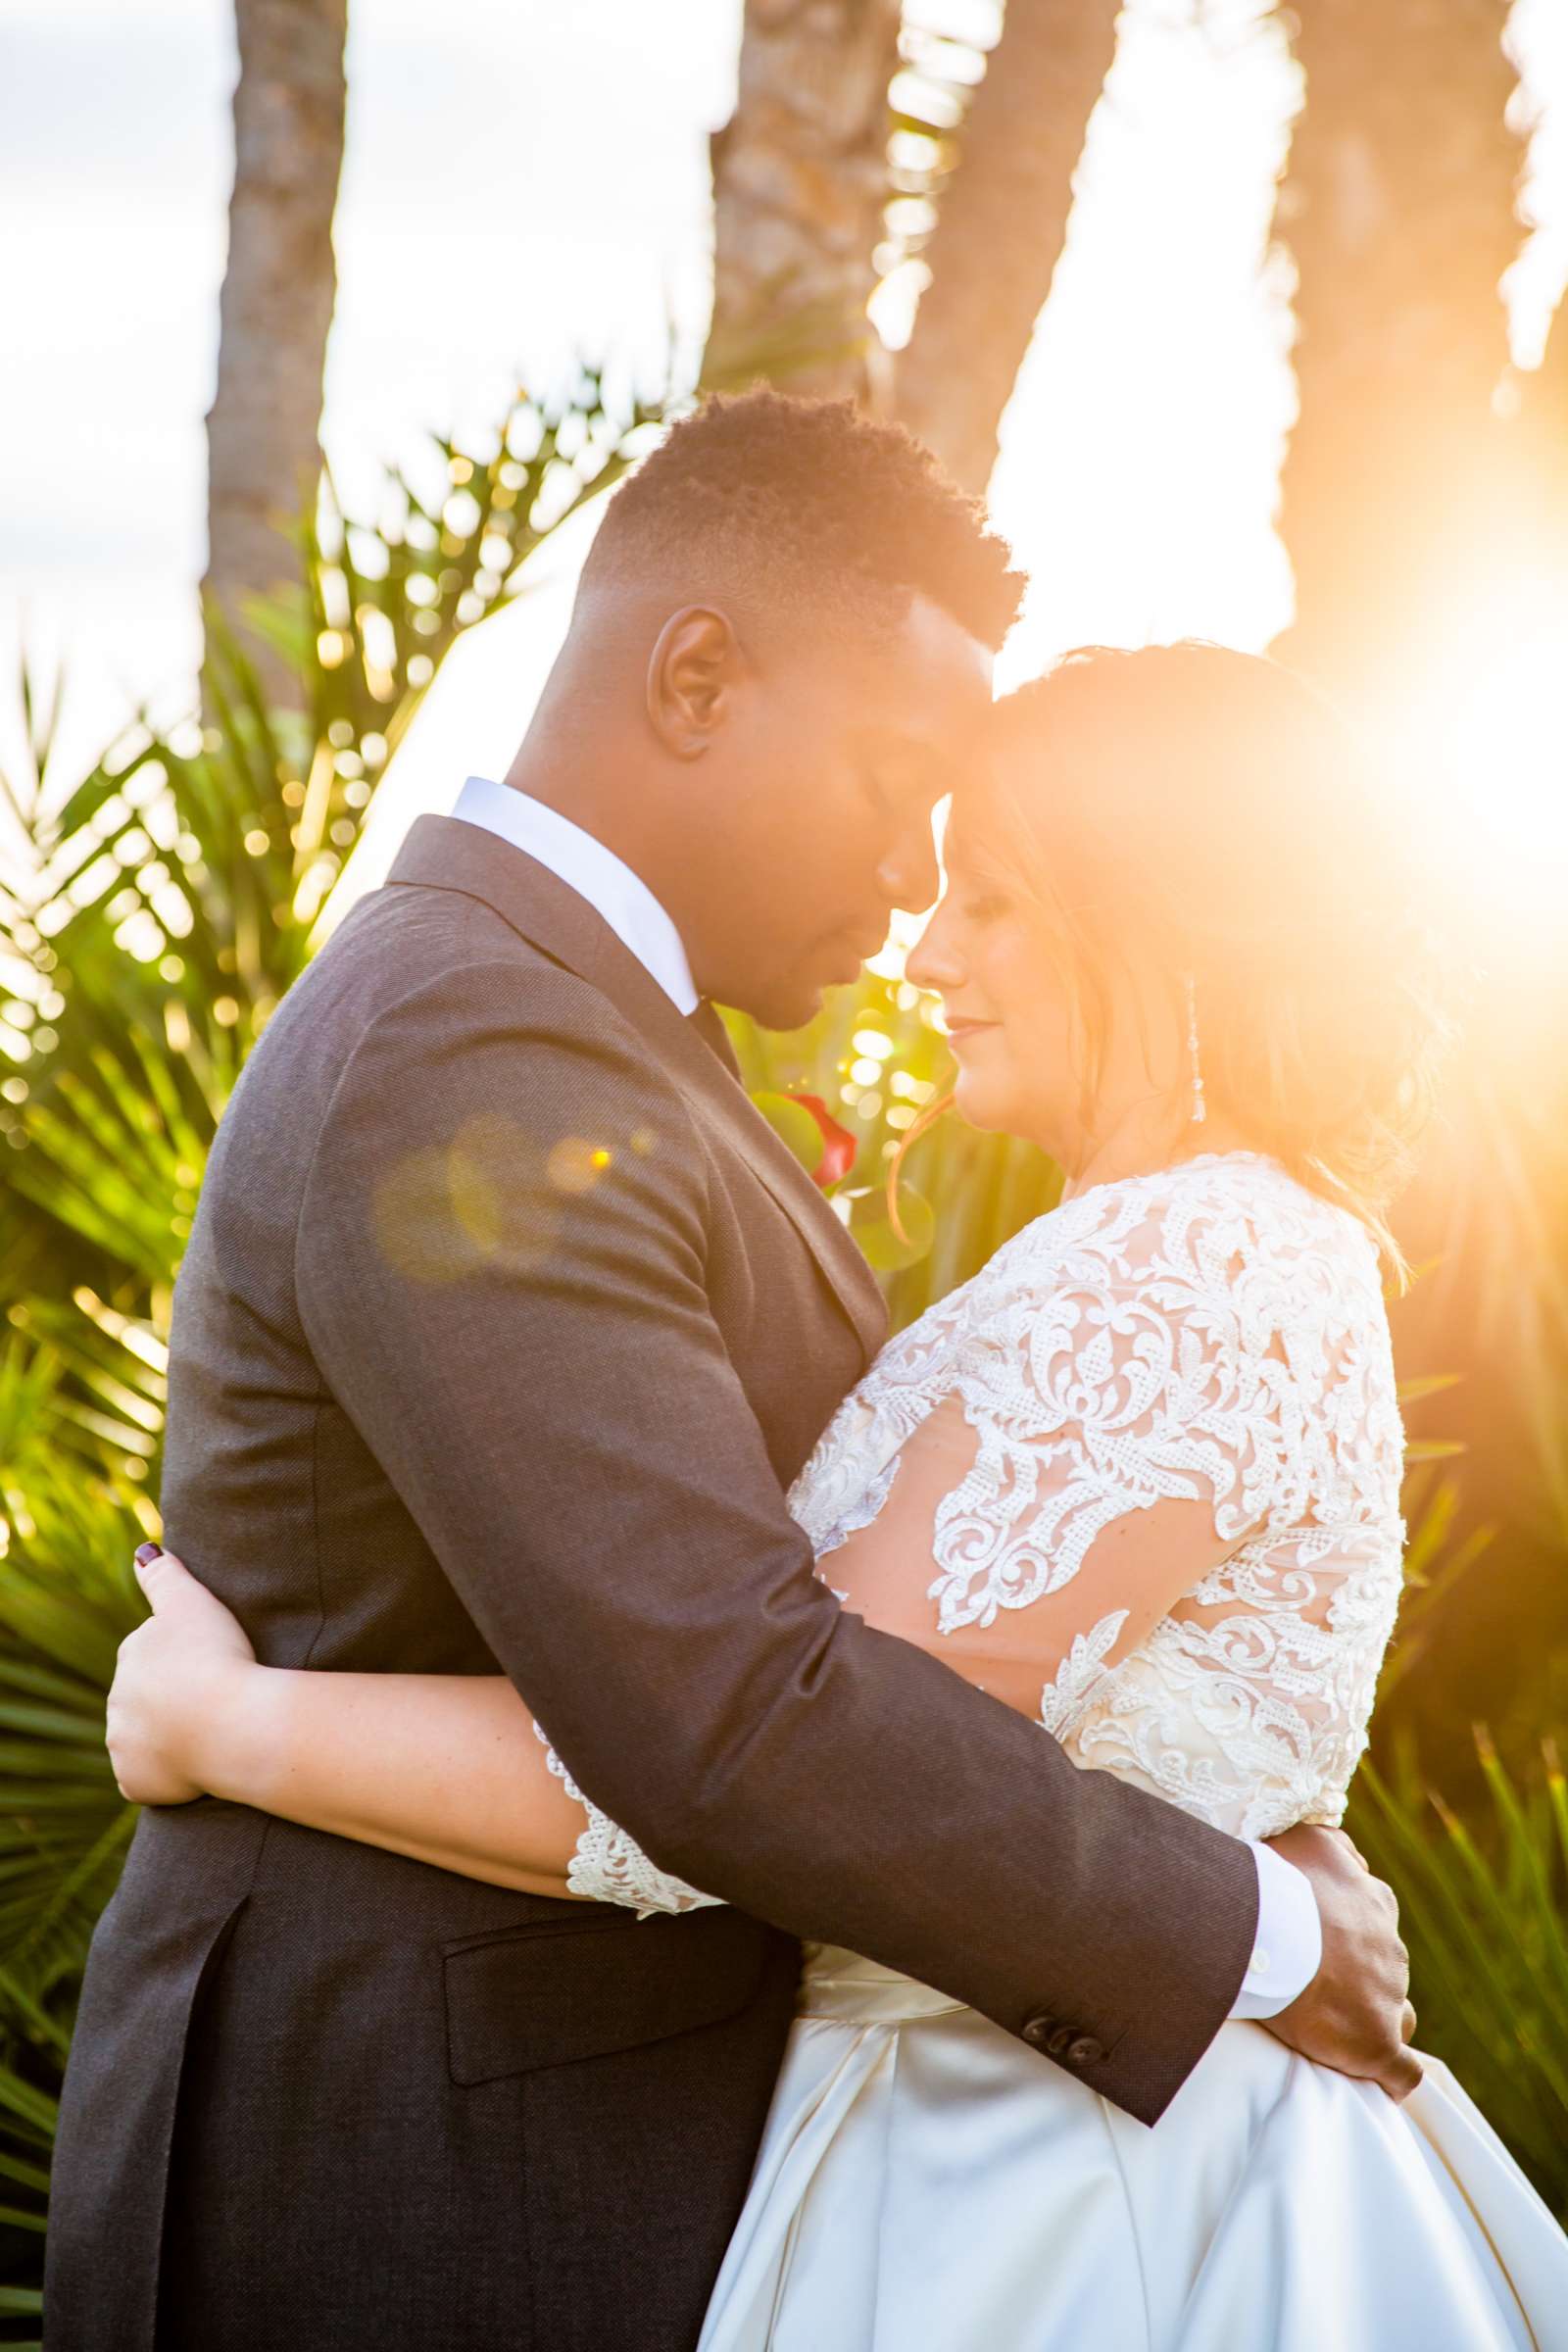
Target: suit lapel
point(777, 1168)
point(442, 853)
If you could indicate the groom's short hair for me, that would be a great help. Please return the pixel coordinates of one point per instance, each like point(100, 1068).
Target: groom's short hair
point(806, 506)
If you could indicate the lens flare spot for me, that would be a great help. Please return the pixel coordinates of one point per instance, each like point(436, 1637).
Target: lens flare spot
point(576, 1165)
point(477, 1205)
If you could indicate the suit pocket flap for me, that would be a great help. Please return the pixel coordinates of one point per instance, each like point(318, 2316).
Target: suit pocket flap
point(544, 1996)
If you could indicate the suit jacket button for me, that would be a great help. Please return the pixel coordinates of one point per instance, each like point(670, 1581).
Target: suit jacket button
point(1038, 2031)
point(1085, 2051)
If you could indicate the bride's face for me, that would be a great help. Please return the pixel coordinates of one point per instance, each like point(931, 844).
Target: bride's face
point(987, 953)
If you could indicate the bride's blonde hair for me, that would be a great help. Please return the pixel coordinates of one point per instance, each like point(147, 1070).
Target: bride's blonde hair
point(1208, 810)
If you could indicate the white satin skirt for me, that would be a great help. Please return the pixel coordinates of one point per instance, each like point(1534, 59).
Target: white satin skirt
point(927, 2183)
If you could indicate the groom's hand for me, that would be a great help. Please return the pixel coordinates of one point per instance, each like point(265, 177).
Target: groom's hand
point(1355, 2015)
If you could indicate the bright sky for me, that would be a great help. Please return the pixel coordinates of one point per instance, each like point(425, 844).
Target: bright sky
point(523, 180)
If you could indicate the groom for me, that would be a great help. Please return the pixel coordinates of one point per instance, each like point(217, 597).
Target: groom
point(504, 1326)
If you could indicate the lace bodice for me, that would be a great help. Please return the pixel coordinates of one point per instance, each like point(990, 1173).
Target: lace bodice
point(1210, 1337)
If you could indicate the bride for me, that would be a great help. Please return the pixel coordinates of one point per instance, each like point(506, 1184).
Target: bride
point(1139, 1478)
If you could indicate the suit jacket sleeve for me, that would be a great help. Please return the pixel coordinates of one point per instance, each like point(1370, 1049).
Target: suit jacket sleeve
point(522, 1333)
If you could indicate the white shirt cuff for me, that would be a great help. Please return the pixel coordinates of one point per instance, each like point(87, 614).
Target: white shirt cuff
point(1289, 1947)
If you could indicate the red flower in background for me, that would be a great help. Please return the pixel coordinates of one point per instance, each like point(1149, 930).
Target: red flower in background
point(839, 1145)
point(804, 1124)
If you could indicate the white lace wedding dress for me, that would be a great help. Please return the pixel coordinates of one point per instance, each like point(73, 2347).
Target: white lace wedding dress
point(1214, 1335)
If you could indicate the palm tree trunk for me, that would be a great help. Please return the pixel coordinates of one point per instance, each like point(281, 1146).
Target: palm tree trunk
point(799, 186)
point(1398, 204)
point(276, 309)
point(1001, 226)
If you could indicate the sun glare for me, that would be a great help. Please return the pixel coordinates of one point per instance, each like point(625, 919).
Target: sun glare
point(1506, 773)
point(1513, 724)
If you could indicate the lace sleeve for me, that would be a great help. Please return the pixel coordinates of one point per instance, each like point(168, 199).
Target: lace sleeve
point(610, 1867)
point(1159, 1496)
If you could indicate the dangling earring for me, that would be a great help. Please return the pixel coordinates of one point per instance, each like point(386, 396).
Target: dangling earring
point(1200, 1108)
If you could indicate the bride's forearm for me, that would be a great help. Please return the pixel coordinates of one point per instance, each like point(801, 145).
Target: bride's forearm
point(446, 1769)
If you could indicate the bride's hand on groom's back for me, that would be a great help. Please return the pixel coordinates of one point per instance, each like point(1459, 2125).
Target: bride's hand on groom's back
point(1355, 2015)
point(170, 1680)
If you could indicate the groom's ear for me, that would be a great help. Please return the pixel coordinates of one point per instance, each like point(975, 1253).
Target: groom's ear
point(693, 673)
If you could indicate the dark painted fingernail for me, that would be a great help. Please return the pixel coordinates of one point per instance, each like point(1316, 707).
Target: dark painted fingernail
point(146, 1552)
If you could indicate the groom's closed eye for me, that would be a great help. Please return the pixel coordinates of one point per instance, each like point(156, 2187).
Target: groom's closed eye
point(900, 791)
point(902, 770)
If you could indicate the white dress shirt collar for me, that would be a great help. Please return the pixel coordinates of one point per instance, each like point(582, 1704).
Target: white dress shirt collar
point(595, 873)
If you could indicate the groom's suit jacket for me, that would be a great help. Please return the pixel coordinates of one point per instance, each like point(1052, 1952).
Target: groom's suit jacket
point(503, 1324)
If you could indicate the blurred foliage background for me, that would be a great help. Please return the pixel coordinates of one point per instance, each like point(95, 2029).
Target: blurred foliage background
point(164, 902)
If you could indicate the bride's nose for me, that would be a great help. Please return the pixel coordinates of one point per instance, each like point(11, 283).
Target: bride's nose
point(934, 961)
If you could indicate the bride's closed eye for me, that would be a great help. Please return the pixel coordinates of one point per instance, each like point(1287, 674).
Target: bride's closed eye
point(984, 906)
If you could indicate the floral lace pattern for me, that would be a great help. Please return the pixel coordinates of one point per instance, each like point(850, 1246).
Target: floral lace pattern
point(610, 1867)
point(1215, 1333)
